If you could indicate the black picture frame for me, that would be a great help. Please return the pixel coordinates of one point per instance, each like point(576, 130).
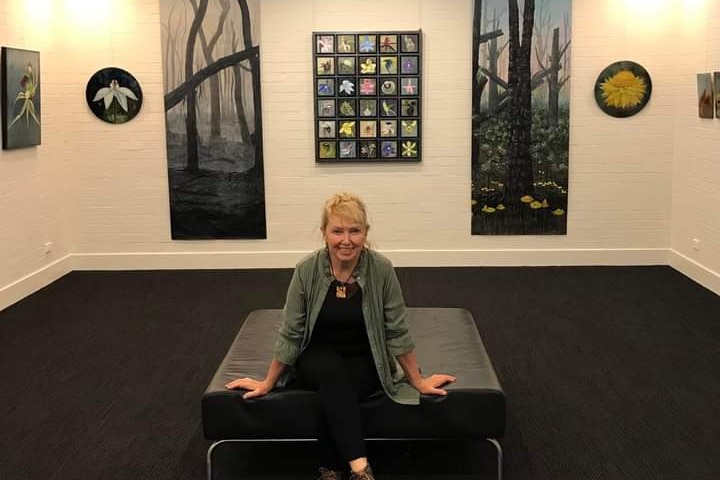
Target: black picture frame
point(113, 95)
point(623, 89)
point(20, 97)
point(367, 96)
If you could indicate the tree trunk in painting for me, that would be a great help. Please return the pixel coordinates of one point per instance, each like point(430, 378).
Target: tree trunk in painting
point(193, 163)
point(239, 107)
point(180, 92)
point(238, 95)
point(554, 79)
point(476, 84)
point(555, 84)
point(215, 123)
point(520, 180)
point(257, 170)
point(493, 92)
point(208, 48)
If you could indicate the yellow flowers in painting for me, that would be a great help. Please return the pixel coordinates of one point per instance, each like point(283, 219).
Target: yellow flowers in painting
point(623, 90)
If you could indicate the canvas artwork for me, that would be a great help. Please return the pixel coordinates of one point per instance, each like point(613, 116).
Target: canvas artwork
point(367, 96)
point(706, 103)
point(716, 90)
point(113, 95)
point(213, 121)
point(520, 117)
point(705, 95)
point(623, 89)
point(20, 81)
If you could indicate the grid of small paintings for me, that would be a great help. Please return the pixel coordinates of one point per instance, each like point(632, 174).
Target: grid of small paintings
point(367, 96)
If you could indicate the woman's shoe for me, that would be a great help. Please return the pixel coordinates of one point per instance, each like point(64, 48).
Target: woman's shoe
point(364, 475)
point(326, 474)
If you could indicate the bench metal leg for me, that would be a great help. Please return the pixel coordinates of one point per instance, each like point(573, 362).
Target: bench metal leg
point(217, 443)
point(208, 457)
point(214, 445)
point(498, 447)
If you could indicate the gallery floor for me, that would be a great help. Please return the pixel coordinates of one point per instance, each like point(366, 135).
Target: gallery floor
point(610, 373)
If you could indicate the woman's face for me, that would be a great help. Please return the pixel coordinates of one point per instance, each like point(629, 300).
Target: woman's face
point(345, 239)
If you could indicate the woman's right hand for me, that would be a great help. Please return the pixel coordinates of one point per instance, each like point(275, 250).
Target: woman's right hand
point(255, 388)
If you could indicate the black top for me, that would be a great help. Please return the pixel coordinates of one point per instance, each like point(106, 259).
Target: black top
point(340, 324)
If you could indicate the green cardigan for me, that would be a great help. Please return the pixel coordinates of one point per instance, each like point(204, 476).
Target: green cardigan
point(384, 312)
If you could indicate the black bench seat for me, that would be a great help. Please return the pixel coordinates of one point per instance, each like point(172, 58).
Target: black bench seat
point(447, 341)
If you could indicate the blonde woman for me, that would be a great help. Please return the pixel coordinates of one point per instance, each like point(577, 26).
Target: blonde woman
point(344, 332)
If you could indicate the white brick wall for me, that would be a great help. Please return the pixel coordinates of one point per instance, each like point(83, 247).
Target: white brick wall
point(639, 186)
point(696, 178)
point(36, 184)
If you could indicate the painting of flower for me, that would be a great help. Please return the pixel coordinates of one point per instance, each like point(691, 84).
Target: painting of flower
point(113, 95)
point(623, 89)
point(20, 71)
point(705, 95)
point(716, 90)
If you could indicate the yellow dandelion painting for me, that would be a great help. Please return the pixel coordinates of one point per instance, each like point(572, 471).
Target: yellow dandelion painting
point(623, 89)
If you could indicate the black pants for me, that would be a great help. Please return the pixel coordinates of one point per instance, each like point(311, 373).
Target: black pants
point(341, 381)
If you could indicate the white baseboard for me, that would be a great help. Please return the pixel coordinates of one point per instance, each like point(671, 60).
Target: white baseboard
point(690, 268)
point(401, 258)
point(31, 283)
point(526, 258)
point(186, 260)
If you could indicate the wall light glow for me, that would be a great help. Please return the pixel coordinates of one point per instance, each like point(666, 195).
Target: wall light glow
point(694, 4)
point(654, 16)
point(648, 10)
point(695, 12)
point(88, 12)
point(39, 12)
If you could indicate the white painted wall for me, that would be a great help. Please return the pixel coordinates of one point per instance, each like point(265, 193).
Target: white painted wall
point(99, 191)
point(36, 184)
point(696, 177)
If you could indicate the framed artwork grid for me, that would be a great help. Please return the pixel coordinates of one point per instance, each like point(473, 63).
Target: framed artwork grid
point(368, 88)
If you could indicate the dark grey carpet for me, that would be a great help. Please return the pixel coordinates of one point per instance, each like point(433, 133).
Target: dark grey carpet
point(610, 373)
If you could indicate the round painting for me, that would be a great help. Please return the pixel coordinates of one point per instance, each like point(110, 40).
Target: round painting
point(623, 89)
point(113, 95)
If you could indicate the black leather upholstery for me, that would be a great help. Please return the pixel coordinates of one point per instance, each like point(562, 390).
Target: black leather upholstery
point(447, 342)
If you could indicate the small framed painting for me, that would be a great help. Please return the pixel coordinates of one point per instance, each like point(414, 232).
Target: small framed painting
point(705, 95)
point(20, 80)
point(716, 92)
point(113, 95)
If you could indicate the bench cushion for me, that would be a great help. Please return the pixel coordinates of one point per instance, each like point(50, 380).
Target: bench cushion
point(447, 341)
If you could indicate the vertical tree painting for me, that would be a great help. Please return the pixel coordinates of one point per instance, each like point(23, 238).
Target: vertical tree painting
point(520, 113)
point(213, 118)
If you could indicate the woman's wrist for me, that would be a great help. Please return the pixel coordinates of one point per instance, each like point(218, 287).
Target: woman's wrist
point(415, 381)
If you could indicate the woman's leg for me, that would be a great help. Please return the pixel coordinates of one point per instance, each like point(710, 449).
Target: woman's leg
point(340, 382)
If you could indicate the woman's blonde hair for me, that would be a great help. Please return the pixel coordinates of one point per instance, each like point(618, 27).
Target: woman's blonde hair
point(347, 206)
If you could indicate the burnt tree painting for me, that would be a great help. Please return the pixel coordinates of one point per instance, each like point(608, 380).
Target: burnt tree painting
point(213, 118)
point(520, 117)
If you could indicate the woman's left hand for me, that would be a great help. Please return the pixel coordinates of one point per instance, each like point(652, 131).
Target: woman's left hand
point(431, 385)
